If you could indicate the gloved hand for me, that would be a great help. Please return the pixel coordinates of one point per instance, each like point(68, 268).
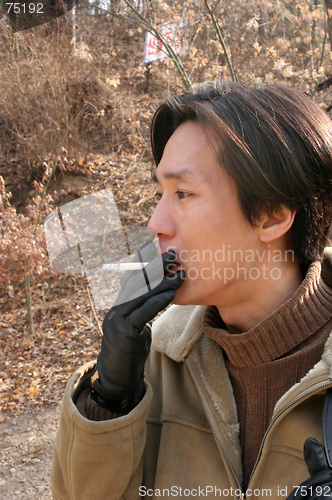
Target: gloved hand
point(118, 382)
point(319, 485)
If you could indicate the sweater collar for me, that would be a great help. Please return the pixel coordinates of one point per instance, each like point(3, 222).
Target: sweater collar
point(300, 317)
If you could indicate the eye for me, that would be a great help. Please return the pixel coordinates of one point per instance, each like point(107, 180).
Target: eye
point(182, 195)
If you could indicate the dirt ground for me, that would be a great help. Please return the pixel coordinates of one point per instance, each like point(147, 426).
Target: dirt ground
point(26, 454)
point(32, 382)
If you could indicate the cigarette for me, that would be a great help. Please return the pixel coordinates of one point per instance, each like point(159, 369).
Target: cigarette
point(127, 266)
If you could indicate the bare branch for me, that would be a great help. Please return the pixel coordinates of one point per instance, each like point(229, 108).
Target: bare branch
point(216, 27)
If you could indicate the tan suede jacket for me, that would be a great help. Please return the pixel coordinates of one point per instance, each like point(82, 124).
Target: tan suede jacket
point(182, 439)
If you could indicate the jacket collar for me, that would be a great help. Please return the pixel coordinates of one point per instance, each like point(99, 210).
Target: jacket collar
point(177, 331)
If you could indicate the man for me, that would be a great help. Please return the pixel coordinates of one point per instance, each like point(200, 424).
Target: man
point(239, 366)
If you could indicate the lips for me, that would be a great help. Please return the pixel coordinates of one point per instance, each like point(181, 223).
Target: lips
point(173, 268)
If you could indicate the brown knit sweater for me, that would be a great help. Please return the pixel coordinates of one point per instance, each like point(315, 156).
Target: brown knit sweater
point(264, 362)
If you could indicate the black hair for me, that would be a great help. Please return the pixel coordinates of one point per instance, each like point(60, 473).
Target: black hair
point(274, 142)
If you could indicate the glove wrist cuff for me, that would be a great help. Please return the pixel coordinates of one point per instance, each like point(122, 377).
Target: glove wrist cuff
point(124, 405)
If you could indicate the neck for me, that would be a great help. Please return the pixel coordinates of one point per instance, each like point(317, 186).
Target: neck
point(259, 298)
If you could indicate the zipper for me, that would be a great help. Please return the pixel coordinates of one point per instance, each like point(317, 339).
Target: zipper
point(280, 412)
point(215, 432)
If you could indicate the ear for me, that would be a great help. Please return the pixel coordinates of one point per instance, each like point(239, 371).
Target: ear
point(276, 225)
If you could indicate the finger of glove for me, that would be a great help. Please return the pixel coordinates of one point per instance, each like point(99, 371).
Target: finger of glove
point(147, 311)
point(154, 272)
point(172, 282)
point(169, 260)
point(315, 457)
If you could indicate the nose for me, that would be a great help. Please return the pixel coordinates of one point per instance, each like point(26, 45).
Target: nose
point(162, 221)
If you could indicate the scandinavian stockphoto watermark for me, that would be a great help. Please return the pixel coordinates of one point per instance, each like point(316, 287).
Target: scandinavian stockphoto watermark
point(226, 263)
point(206, 491)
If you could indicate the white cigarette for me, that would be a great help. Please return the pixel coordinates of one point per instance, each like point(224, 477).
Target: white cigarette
point(127, 266)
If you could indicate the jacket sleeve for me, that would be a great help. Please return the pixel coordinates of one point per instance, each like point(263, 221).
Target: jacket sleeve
point(98, 460)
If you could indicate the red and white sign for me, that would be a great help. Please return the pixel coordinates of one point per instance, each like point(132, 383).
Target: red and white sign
point(155, 50)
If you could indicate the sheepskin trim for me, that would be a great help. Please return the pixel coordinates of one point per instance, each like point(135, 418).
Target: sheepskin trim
point(214, 378)
point(322, 371)
point(177, 330)
point(327, 356)
point(327, 267)
point(214, 375)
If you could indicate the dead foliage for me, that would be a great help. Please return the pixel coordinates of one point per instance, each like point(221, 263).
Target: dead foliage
point(34, 371)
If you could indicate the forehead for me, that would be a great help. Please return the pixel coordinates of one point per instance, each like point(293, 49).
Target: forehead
point(188, 156)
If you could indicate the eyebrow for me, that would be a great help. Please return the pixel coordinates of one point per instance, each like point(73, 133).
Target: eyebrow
point(181, 174)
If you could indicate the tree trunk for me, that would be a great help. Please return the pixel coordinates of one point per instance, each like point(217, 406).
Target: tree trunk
point(72, 23)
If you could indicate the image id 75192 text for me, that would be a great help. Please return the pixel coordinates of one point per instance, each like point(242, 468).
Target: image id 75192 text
point(24, 7)
point(318, 491)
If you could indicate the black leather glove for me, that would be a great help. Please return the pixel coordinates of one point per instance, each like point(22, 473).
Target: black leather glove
point(118, 382)
point(319, 485)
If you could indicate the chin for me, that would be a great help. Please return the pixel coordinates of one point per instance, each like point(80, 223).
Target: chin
point(186, 296)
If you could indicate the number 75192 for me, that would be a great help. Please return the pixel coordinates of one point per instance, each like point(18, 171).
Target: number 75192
point(24, 8)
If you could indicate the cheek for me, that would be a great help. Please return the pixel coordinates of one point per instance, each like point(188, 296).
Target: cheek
point(207, 232)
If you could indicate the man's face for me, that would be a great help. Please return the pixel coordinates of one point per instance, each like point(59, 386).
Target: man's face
point(199, 216)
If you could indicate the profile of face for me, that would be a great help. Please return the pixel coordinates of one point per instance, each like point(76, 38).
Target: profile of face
point(199, 215)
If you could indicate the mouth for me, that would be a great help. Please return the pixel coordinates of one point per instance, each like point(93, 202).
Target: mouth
point(176, 267)
point(173, 268)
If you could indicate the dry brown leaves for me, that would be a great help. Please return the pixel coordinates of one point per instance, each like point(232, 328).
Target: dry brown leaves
point(34, 371)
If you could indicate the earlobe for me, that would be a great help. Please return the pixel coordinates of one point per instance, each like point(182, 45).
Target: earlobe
point(276, 225)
